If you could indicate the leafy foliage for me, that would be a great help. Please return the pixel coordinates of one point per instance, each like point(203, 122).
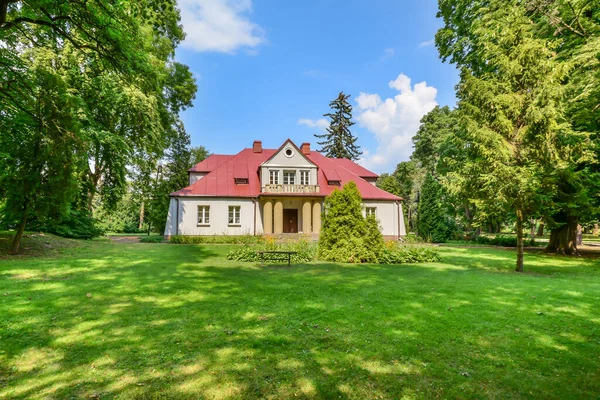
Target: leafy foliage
point(514, 132)
point(345, 234)
point(75, 225)
point(504, 241)
point(87, 89)
point(433, 223)
point(218, 239)
point(305, 251)
point(152, 239)
point(339, 142)
point(408, 255)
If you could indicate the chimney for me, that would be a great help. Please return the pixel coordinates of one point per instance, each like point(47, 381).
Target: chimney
point(305, 148)
point(257, 146)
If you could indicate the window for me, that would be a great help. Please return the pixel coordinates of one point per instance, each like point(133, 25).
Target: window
point(203, 215)
point(241, 181)
point(289, 177)
point(304, 177)
point(274, 177)
point(333, 183)
point(234, 215)
point(289, 152)
point(371, 211)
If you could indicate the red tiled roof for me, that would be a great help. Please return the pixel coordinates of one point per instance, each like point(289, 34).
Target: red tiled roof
point(355, 168)
point(210, 163)
point(222, 169)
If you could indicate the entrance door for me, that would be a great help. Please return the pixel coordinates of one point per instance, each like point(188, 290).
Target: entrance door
point(290, 221)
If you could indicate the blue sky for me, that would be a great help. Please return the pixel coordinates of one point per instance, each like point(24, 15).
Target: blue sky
point(267, 69)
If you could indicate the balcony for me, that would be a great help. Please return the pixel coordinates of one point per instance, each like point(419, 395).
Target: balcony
point(291, 189)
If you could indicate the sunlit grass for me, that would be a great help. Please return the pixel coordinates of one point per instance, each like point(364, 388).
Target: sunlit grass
point(180, 321)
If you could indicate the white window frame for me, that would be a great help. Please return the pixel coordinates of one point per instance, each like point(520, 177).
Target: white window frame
point(370, 211)
point(203, 215)
point(274, 177)
point(288, 175)
point(234, 215)
point(305, 177)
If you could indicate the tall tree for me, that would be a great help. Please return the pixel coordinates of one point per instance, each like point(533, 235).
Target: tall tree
point(120, 88)
point(38, 138)
point(433, 224)
point(515, 132)
point(573, 26)
point(339, 142)
point(172, 175)
point(435, 127)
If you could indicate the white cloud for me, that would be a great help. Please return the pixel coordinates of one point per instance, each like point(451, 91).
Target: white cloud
point(321, 123)
point(394, 121)
point(427, 43)
point(219, 25)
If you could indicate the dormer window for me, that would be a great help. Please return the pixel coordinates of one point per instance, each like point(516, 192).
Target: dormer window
point(333, 183)
point(274, 177)
point(241, 181)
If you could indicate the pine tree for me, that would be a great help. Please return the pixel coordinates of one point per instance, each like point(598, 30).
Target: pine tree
point(339, 142)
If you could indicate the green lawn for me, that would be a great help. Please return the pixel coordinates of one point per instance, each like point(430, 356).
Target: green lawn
point(180, 321)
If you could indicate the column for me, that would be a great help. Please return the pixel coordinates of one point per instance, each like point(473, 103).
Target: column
point(268, 217)
point(306, 217)
point(316, 217)
point(278, 216)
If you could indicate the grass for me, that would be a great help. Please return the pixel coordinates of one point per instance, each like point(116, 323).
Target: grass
point(180, 321)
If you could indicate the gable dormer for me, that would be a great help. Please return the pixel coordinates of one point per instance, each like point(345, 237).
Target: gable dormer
point(288, 170)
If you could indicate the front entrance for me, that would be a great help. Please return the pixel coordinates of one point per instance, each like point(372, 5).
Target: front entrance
point(290, 220)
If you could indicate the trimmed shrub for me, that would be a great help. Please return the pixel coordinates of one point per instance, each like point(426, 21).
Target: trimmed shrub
point(152, 239)
point(373, 239)
point(345, 235)
point(503, 241)
point(305, 251)
point(217, 239)
point(408, 255)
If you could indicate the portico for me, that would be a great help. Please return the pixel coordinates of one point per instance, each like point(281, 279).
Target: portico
point(291, 215)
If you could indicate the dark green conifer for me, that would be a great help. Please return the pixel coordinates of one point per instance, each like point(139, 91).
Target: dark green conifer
point(339, 142)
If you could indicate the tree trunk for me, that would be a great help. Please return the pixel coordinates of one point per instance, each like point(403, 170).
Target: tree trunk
point(540, 230)
point(579, 236)
point(563, 240)
point(519, 241)
point(16, 244)
point(141, 216)
point(468, 217)
point(532, 229)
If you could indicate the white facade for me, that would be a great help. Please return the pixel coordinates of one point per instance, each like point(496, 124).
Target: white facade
point(390, 216)
point(183, 217)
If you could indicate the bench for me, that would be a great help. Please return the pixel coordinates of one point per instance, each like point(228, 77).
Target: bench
point(276, 256)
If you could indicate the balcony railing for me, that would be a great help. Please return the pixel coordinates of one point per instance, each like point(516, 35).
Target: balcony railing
point(291, 189)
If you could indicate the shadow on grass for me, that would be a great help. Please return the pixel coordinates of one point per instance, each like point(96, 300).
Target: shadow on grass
point(183, 322)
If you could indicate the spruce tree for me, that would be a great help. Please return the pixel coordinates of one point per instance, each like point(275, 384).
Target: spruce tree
point(339, 142)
